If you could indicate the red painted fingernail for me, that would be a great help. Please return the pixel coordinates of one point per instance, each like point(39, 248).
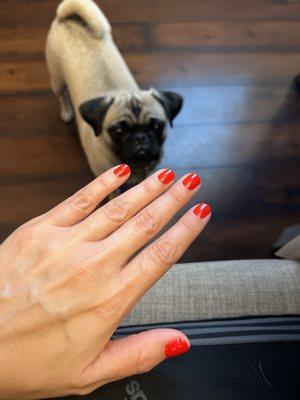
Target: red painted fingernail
point(176, 347)
point(202, 210)
point(122, 170)
point(191, 181)
point(166, 176)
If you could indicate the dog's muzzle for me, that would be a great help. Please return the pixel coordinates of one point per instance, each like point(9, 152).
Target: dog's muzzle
point(144, 149)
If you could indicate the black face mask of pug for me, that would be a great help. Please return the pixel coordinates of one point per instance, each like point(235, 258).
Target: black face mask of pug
point(117, 121)
point(133, 127)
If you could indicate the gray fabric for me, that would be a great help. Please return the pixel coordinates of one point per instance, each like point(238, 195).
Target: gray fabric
point(291, 250)
point(221, 289)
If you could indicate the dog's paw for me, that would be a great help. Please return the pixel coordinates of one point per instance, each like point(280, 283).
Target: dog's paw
point(66, 115)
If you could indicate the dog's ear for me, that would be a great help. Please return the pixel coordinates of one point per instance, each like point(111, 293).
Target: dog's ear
point(171, 102)
point(94, 111)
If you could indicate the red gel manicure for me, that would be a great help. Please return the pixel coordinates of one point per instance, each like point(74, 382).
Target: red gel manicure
point(176, 347)
point(122, 170)
point(202, 210)
point(166, 176)
point(191, 181)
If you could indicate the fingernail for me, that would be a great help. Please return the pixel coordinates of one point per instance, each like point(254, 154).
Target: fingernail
point(191, 181)
point(122, 170)
point(202, 210)
point(176, 347)
point(166, 176)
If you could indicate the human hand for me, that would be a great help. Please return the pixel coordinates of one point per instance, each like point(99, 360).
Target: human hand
point(69, 277)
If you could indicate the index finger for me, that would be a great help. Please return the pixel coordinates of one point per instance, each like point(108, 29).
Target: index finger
point(77, 207)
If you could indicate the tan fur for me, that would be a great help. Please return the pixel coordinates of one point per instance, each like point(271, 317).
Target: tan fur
point(89, 12)
point(84, 63)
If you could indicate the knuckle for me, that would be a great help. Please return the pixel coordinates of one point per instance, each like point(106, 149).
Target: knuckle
point(28, 232)
point(140, 360)
point(103, 182)
point(148, 186)
point(127, 285)
point(189, 227)
point(143, 361)
point(146, 222)
point(108, 310)
point(82, 201)
point(23, 232)
point(119, 300)
point(175, 197)
point(111, 309)
point(164, 252)
point(115, 212)
point(83, 273)
point(82, 391)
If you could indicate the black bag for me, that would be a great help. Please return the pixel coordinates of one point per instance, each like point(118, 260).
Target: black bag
point(238, 359)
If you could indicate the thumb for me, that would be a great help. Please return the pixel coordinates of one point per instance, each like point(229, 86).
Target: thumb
point(138, 353)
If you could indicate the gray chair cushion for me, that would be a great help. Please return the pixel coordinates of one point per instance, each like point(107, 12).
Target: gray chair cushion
point(207, 290)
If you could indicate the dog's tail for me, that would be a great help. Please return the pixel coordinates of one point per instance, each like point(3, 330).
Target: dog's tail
point(88, 12)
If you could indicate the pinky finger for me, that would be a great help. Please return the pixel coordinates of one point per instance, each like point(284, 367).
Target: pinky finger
point(156, 259)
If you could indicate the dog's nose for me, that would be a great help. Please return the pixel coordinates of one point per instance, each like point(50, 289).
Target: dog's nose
point(141, 138)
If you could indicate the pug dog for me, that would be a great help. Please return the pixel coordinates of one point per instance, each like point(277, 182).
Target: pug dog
point(117, 121)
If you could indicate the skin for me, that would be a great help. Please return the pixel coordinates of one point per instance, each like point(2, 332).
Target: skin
point(66, 283)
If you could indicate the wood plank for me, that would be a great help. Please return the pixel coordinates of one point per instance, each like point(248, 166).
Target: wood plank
point(205, 36)
point(204, 106)
point(250, 191)
point(27, 198)
point(23, 75)
point(174, 10)
point(180, 69)
point(238, 238)
point(40, 13)
point(238, 104)
point(25, 41)
point(229, 187)
point(59, 152)
point(130, 37)
point(239, 35)
point(278, 187)
point(193, 68)
point(41, 155)
point(250, 207)
point(22, 40)
point(30, 115)
point(232, 191)
point(229, 190)
point(233, 144)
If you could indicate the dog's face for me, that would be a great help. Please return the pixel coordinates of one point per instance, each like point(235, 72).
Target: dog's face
point(134, 127)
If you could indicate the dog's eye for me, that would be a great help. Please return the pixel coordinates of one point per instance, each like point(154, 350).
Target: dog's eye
point(119, 128)
point(156, 125)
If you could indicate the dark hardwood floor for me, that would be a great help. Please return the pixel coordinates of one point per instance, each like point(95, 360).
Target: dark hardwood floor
point(233, 61)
